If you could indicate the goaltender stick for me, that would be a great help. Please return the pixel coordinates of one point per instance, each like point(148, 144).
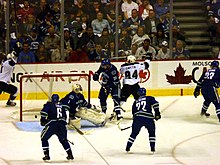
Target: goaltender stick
point(78, 108)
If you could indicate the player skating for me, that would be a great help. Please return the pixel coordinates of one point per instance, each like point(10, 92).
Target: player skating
point(131, 79)
point(53, 118)
point(209, 83)
point(6, 70)
point(110, 85)
point(78, 107)
point(144, 117)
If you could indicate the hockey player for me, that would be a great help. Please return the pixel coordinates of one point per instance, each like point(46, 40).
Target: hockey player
point(53, 118)
point(208, 83)
point(6, 70)
point(79, 107)
point(110, 85)
point(130, 70)
point(143, 116)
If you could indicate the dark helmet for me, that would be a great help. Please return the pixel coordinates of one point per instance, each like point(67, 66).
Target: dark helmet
point(55, 98)
point(141, 92)
point(106, 61)
point(215, 64)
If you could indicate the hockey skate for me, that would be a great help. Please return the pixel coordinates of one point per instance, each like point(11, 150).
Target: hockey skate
point(70, 155)
point(203, 112)
point(127, 149)
point(46, 158)
point(10, 104)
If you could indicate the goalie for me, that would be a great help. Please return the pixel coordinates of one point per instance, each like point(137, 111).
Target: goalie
point(78, 108)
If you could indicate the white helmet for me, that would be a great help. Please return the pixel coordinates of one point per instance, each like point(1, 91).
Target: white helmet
point(131, 59)
point(11, 55)
point(77, 88)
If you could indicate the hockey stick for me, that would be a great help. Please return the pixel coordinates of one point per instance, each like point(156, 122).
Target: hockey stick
point(80, 131)
point(122, 129)
point(70, 142)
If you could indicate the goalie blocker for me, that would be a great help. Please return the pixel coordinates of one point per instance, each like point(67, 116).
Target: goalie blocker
point(92, 115)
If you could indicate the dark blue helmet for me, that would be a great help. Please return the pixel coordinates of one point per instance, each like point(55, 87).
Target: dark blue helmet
point(215, 64)
point(55, 98)
point(106, 61)
point(141, 92)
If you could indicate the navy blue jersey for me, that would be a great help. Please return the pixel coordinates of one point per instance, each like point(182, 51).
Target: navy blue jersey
point(110, 77)
point(210, 78)
point(72, 101)
point(142, 107)
point(53, 112)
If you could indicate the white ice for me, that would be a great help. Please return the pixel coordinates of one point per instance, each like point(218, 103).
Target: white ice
point(183, 137)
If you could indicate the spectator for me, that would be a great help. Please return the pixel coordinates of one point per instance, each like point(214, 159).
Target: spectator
point(30, 24)
point(23, 12)
point(99, 24)
point(164, 52)
point(94, 9)
point(110, 51)
point(159, 38)
point(151, 24)
point(80, 8)
point(180, 52)
point(26, 56)
point(69, 43)
point(79, 55)
point(42, 10)
point(34, 40)
point(120, 25)
point(166, 22)
point(139, 37)
point(177, 35)
point(133, 22)
point(124, 40)
point(42, 55)
point(214, 5)
point(88, 39)
point(146, 50)
point(110, 12)
point(132, 50)
point(98, 53)
point(127, 7)
point(83, 24)
point(51, 39)
point(144, 9)
point(161, 8)
point(105, 38)
point(56, 55)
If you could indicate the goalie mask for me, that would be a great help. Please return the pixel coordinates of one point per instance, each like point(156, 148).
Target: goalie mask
point(131, 59)
point(77, 88)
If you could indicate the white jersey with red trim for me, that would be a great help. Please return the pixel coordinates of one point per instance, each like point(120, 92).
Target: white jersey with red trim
point(130, 71)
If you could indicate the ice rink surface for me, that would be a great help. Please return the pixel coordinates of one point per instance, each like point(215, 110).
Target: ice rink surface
point(183, 137)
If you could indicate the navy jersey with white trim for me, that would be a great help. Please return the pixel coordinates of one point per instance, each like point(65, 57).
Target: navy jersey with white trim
point(53, 112)
point(72, 101)
point(142, 107)
point(110, 77)
point(210, 78)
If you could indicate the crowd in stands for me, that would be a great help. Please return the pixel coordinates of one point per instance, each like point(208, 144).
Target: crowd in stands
point(90, 28)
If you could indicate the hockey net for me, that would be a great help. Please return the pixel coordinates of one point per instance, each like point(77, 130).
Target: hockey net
point(36, 90)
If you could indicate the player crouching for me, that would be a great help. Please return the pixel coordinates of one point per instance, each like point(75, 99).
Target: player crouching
point(79, 108)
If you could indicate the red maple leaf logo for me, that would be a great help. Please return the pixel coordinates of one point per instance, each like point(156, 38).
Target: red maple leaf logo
point(179, 77)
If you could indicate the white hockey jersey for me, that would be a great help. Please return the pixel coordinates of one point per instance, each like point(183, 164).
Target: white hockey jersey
point(130, 71)
point(6, 71)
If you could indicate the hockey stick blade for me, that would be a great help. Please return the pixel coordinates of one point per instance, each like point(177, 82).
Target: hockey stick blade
point(78, 130)
point(122, 129)
point(70, 142)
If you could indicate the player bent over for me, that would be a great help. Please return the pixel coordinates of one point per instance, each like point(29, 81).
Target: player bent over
point(53, 117)
point(7, 66)
point(144, 117)
point(110, 85)
point(130, 70)
point(209, 83)
point(79, 107)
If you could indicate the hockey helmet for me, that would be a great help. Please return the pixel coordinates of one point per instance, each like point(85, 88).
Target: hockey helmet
point(55, 98)
point(214, 64)
point(77, 88)
point(105, 63)
point(131, 59)
point(141, 92)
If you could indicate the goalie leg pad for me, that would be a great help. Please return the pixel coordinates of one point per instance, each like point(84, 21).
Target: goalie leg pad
point(91, 115)
point(76, 122)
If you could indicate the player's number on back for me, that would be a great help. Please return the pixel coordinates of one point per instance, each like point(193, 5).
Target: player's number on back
point(128, 74)
point(210, 75)
point(59, 112)
point(141, 105)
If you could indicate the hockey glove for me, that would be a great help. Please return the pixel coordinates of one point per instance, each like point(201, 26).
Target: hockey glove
point(196, 92)
point(157, 117)
point(43, 121)
point(96, 77)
